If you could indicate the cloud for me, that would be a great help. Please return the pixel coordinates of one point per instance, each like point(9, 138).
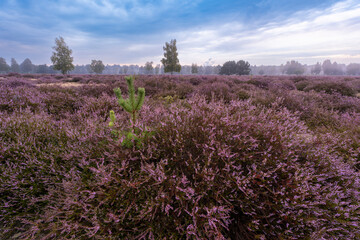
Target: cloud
point(307, 35)
point(134, 31)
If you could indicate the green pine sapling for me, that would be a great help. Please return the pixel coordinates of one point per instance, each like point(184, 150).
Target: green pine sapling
point(131, 105)
point(112, 118)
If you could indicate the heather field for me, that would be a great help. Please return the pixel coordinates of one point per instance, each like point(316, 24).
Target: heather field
point(213, 157)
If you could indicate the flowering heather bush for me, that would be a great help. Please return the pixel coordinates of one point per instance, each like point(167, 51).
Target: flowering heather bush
point(195, 81)
point(19, 98)
point(13, 74)
point(184, 90)
point(301, 85)
point(96, 90)
point(282, 84)
point(355, 84)
point(61, 102)
point(259, 82)
point(157, 86)
point(284, 164)
point(331, 87)
point(216, 91)
point(36, 156)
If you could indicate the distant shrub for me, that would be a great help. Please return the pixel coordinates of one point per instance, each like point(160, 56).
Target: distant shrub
point(59, 77)
point(195, 81)
point(246, 86)
point(282, 84)
point(298, 79)
point(14, 83)
point(242, 95)
point(92, 90)
point(95, 80)
point(156, 86)
point(215, 91)
point(264, 98)
point(60, 104)
point(237, 81)
point(13, 74)
point(301, 85)
point(331, 87)
point(355, 84)
point(260, 83)
point(74, 79)
point(28, 76)
point(184, 90)
point(99, 106)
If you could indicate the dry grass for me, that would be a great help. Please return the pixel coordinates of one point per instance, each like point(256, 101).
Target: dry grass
point(68, 84)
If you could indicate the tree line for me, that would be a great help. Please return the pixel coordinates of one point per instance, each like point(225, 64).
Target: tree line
point(63, 62)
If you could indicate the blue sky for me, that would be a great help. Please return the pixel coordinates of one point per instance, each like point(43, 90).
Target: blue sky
point(134, 31)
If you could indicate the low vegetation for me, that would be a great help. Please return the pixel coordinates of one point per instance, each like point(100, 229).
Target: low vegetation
point(221, 157)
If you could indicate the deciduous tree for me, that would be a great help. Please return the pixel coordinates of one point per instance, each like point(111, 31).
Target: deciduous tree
point(194, 68)
point(239, 68)
point(229, 68)
point(4, 67)
point(170, 60)
point(97, 66)
point(15, 67)
point(157, 69)
point(149, 67)
point(43, 68)
point(353, 69)
point(243, 68)
point(61, 58)
point(26, 66)
point(294, 68)
point(331, 68)
point(316, 69)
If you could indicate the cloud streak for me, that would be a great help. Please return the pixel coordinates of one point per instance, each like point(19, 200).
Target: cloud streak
point(261, 32)
point(308, 36)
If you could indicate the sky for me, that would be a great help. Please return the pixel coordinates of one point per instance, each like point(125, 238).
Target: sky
point(262, 32)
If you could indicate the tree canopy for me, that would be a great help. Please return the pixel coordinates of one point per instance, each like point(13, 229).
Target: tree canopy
point(239, 68)
point(14, 66)
point(4, 67)
point(61, 58)
point(316, 69)
point(149, 67)
point(170, 60)
point(331, 68)
point(97, 66)
point(194, 68)
point(26, 66)
point(294, 68)
point(353, 69)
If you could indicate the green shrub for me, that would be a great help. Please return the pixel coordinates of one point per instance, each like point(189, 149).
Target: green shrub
point(332, 87)
point(242, 95)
